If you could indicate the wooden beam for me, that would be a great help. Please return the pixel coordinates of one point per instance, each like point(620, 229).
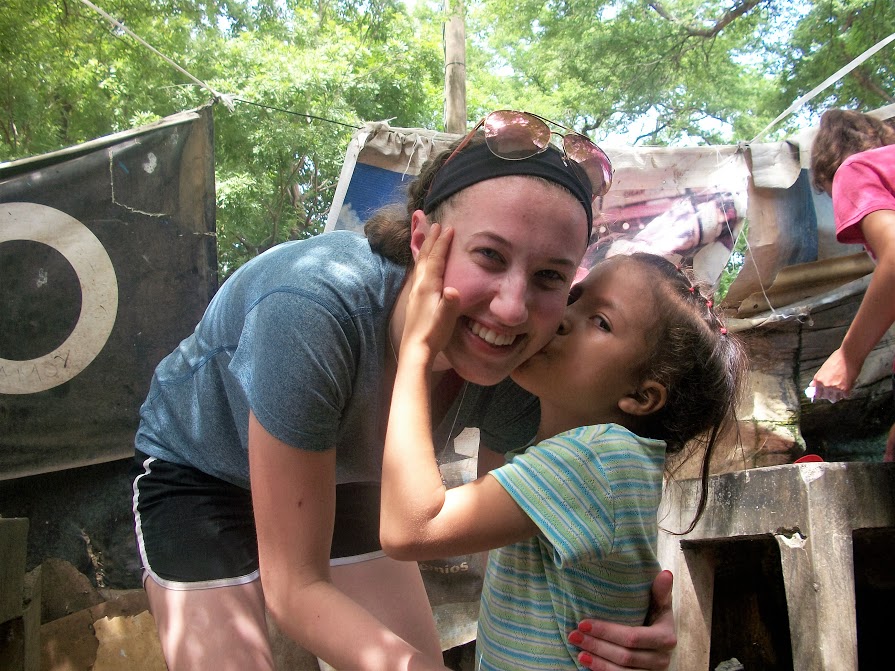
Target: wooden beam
point(455, 68)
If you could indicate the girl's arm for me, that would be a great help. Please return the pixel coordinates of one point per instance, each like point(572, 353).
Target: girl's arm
point(876, 314)
point(293, 493)
point(420, 518)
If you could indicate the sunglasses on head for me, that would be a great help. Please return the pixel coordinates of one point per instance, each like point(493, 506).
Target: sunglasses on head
point(515, 136)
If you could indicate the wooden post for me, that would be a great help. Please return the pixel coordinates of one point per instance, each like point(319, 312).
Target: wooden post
point(455, 67)
point(19, 600)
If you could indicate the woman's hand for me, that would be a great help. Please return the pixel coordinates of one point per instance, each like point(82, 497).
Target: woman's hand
point(432, 308)
point(613, 647)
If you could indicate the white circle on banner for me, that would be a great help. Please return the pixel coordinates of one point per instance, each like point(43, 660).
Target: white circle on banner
point(99, 296)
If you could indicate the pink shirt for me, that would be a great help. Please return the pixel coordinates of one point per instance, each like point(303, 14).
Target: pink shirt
point(864, 183)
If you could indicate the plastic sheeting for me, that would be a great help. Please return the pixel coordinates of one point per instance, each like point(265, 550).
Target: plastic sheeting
point(107, 260)
point(683, 203)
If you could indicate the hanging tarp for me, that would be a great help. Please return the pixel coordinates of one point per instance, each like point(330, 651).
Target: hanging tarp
point(686, 204)
point(107, 260)
point(379, 164)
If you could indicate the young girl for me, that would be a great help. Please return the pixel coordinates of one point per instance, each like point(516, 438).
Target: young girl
point(640, 367)
point(853, 161)
point(259, 451)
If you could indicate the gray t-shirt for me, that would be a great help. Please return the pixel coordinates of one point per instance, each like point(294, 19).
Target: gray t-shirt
point(299, 335)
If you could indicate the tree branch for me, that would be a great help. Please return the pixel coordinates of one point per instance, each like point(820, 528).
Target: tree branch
point(651, 134)
point(696, 31)
point(860, 74)
point(868, 84)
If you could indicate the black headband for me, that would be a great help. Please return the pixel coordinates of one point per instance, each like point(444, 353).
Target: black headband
point(476, 163)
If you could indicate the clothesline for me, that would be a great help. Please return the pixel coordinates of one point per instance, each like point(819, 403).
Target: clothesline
point(228, 100)
point(829, 81)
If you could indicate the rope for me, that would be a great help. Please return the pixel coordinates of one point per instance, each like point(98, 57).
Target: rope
point(836, 76)
point(304, 114)
point(224, 98)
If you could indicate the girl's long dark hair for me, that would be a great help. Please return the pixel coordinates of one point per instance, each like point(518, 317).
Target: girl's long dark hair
point(701, 365)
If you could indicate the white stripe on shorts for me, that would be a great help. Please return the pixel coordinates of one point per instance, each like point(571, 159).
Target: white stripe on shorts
point(173, 584)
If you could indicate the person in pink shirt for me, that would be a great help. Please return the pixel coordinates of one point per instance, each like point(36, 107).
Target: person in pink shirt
point(853, 160)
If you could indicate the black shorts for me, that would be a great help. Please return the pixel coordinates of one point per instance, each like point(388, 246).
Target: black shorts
point(196, 531)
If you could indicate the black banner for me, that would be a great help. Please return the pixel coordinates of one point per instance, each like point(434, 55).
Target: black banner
point(107, 260)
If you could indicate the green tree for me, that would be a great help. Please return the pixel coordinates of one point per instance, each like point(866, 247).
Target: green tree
point(707, 71)
point(830, 36)
point(303, 75)
point(276, 170)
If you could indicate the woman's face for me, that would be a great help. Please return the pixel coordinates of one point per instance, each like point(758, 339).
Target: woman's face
point(517, 244)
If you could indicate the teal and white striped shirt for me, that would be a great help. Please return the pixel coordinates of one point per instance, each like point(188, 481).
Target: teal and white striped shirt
point(594, 493)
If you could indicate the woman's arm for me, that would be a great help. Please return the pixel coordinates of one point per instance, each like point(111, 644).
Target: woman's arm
point(875, 315)
point(607, 646)
point(293, 493)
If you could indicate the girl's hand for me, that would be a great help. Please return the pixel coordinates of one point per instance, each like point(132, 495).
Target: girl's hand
point(613, 647)
point(835, 379)
point(432, 308)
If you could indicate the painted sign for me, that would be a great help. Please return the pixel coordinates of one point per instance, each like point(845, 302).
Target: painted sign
point(107, 261)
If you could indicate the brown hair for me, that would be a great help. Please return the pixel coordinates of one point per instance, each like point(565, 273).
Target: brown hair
point(843, 133)
point(388, 229)
point(701, 365)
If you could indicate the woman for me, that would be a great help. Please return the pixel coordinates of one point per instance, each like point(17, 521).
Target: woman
point(853, 160)
point(641, 367)
point(267, 423)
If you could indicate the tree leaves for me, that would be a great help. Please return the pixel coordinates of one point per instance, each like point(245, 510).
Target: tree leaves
point(68, 76)
point(678, 71)
point(702, 71)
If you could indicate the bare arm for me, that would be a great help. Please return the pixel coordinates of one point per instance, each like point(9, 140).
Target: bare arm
point(293, 493)
point(420, 518)
point(607, 646)
point(876, 314)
